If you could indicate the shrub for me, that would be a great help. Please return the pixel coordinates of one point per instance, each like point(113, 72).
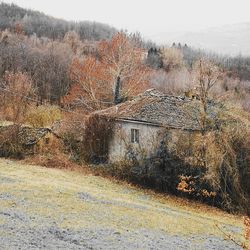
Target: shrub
point(9, 144)
point(43, 116)
point(96, 138)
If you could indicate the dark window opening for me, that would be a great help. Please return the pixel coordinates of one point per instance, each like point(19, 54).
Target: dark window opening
point(46, 140)
point(134, 135)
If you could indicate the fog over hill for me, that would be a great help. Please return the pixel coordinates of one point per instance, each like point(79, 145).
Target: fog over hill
point(231, 39)
point(35, 22)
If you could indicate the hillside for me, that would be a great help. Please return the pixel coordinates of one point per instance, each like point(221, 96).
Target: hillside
point(231, 39)
point(52, 209)
point(35, 22)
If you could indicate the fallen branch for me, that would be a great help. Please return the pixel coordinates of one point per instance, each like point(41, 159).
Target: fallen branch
point(231, 238)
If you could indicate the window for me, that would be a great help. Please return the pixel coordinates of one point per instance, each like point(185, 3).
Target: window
point(134, 135)
point(46, 140)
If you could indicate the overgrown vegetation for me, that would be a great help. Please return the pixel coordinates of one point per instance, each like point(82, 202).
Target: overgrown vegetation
point(9, 144)
point(97, 135)
point(42, 116)
point(210, 164)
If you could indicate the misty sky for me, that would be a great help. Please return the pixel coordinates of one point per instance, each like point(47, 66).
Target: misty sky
point(150, 17)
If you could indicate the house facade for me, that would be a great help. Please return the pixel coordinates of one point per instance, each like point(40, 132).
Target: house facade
point(140, 124)
point(133, 139)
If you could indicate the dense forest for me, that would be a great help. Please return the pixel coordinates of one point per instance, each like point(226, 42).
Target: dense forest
point(54, 71)
point(34, 22)
point(35, 43)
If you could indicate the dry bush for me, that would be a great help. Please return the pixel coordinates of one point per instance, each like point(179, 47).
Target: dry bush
point(16, 95)
point(246, 222)
point(222, 156)
point(96, 138)
point(71, 130)
point(55, 156)
point(216, 149)
point(119, 170)
point(86, 138)
point(57, 160)
point(247, 227)
point(9, 144)
point(42, 116)
point(72, 123)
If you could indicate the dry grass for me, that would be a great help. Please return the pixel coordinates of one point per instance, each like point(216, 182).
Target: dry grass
point(54, 193)
point(56, 160)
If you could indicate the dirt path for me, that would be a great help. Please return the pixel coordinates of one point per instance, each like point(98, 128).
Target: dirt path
point(54, 209)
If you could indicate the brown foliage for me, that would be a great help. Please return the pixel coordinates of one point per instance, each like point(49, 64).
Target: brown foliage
point(92, 86)
point(16, 92)
point(97, 135)
point(185, 184)
point(188, 185)
point(42, 116)
point(58, 160)
point(247, 227)
point(9, 144)
point(206, 76)
point(122, 58)
point(95, 78)
point(227, 164)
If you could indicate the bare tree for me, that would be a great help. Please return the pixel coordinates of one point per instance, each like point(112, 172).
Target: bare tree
point(205, 76)
point(172, 58)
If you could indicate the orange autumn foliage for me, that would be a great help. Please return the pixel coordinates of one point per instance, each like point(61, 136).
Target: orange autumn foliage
point(246, 221)
point(94, 78)
point(91, 84)
point(123, 58)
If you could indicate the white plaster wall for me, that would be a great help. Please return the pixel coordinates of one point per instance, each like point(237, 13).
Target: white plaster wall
point(148, 140)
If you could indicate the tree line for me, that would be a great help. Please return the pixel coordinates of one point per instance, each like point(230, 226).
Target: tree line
point(34, 22)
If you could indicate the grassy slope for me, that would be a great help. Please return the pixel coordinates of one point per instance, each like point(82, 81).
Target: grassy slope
point(61, 195)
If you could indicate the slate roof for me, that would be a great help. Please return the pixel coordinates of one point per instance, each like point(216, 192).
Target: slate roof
point(27, 136)
point(31, 136)
point(156, 108)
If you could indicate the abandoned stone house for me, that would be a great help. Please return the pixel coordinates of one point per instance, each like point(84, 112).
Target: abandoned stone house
point(139, 124)
point(25, 140)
